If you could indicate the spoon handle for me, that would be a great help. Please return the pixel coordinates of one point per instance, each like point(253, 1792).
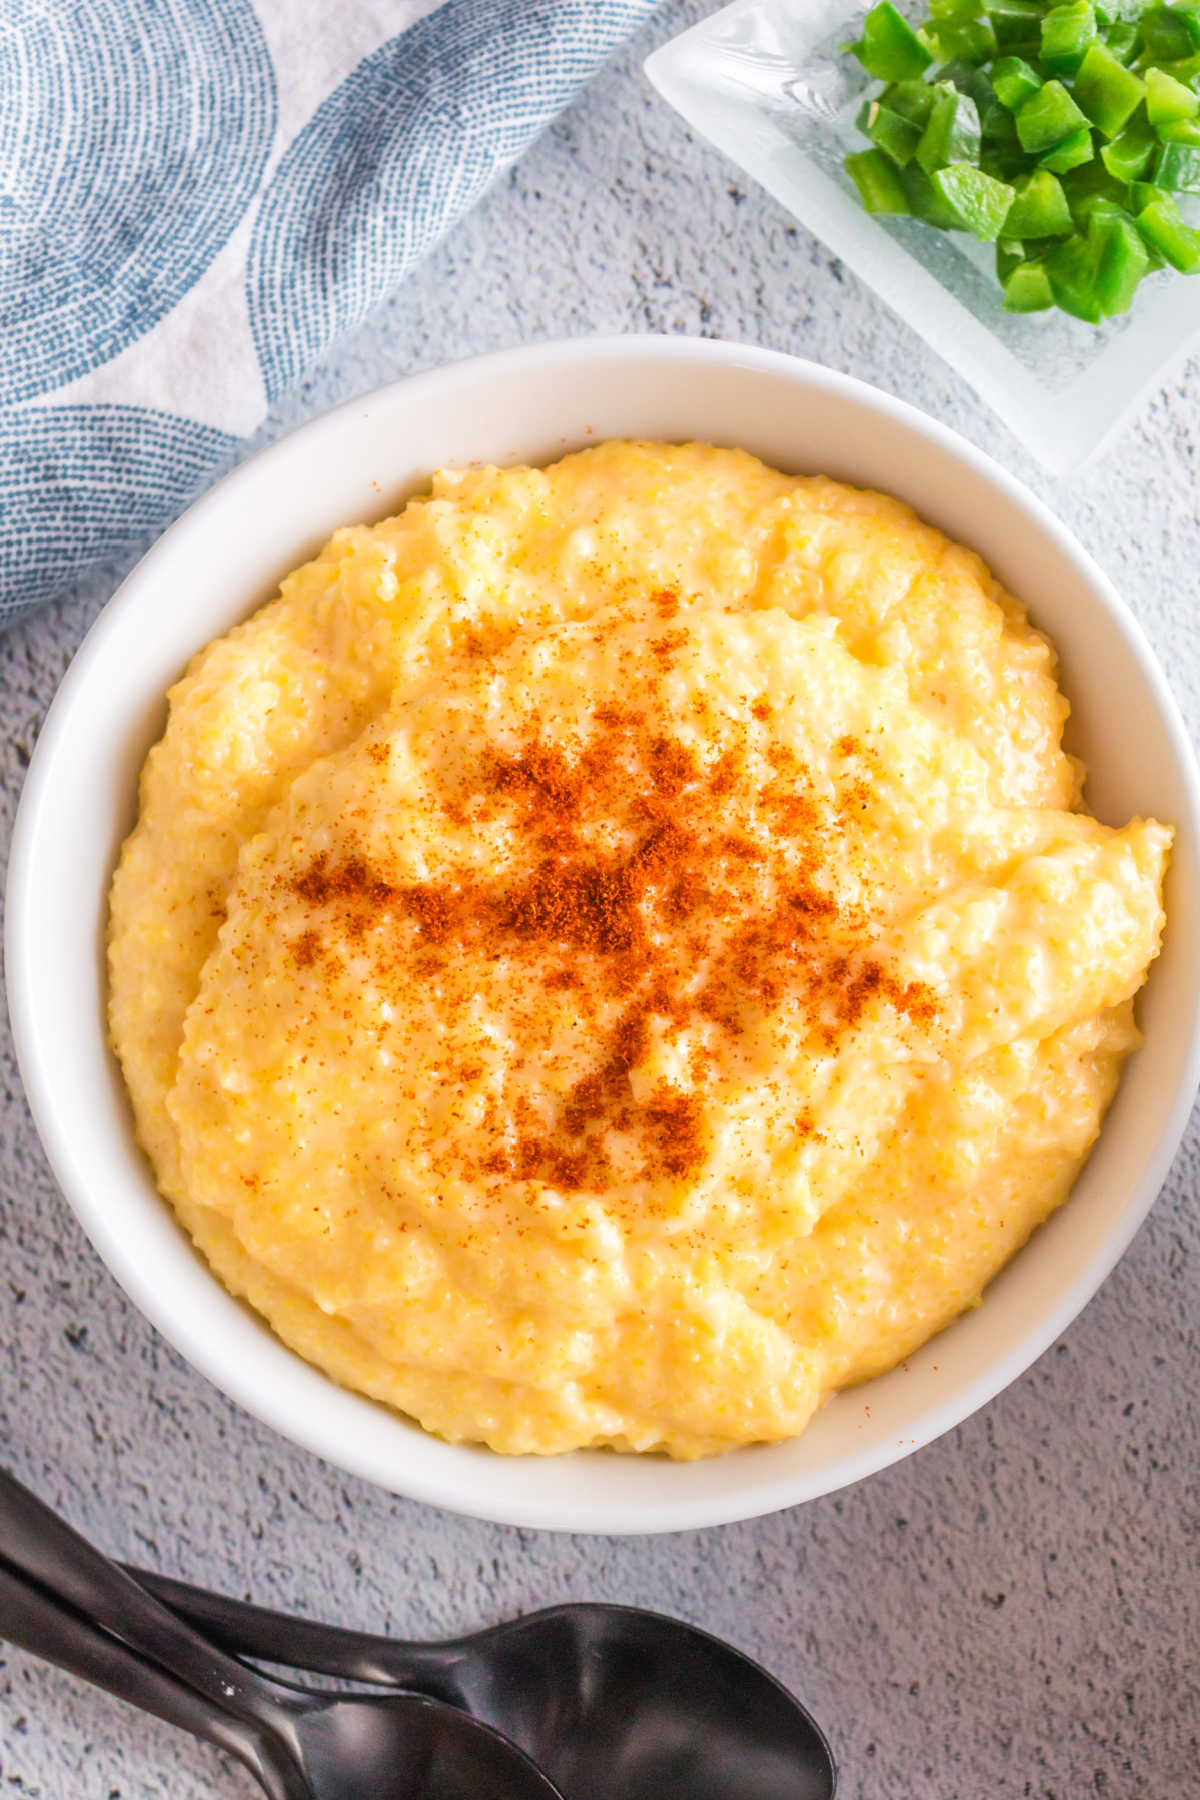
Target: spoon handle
point(38, 1544)
point(247, 1630)
point(32, 1619)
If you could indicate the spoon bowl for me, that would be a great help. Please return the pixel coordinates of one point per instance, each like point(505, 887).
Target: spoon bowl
point(613, 1703)
point(63, 1599)
point(619, 1704)
point(402, 1747)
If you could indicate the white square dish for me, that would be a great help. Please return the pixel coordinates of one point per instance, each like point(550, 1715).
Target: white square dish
point(763, 81)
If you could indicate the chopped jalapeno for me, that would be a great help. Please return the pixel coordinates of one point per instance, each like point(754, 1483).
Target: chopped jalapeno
point(878, 184)
point(1016, 23)
point(1067, 31)
point(896, 136)
point(995, 121)
point(1083, 187)
point(1167, 99)
point(1108, 93)
point(1074, 150)
point(1072, 271)
point(1121, 258)
point(968, 80)
point(911, 99)
point(1180, 131)
point(1049, 117)
point(1122, 41)
point(972, 39)
point(1162, 226)
point(1188, 71)
point(1128, 156)
point(952, 134)
point(1177, 167)
point(978, 200)
point(889, 48)
point(1014, 81)
point(1000, 130)
point(1167, 34)
point(1010, 254)
point(1040, 209)
point(924, 201)
point(1028, 289)
point(1063, 130)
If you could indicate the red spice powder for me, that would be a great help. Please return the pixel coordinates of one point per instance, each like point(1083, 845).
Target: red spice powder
point(307, 949)
point(719, 905)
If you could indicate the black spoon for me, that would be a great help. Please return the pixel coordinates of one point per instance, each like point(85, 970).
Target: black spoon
point(64, 1600)
point(612, 1702)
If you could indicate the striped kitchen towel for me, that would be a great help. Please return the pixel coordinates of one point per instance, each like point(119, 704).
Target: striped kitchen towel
point(197, 197)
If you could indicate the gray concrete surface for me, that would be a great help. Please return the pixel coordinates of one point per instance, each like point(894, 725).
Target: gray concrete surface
point(1012, 1612)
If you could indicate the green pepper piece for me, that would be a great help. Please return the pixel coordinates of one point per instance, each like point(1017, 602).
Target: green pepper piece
point(1028, 289)
point(889, 48)
point(1162, 226)
point(1014, 81)
point(1016, 23)
point(1047, 118)
point(999, 129)
point(995, 121)
point(1187, 71)
point(1118, 12)
point(969, 40)
point(1121, 258)
point(1168, 100)
point(1039, 208)
point(1123, 41)
point(1087, 205)
point(1071, 268)
point(1180, 131)
point(1167, 34)
point(980, 202)
point(1010, 254)
point(911, 99)
point(1103, 209)
point(1178, 167)
point(1004, 164)
point(1067, 31)
point(1084, 186)
point(1144, 193)
point(968, 80)
point(1108, 94)
point(978, 45)
point(878, 184)
point(1128, 156)
point(895, 136)
point(924, 201)
point(1070, 154)
point(952, 134)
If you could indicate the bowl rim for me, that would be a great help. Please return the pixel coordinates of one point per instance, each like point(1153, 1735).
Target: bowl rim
point(238, 1382)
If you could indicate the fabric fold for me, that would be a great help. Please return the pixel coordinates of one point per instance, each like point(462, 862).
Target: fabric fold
point(210, 193)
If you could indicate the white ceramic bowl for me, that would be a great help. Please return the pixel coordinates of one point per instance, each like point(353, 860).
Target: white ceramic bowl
point(225, 556)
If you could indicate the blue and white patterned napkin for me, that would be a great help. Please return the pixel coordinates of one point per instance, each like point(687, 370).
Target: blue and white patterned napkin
point(197, 197)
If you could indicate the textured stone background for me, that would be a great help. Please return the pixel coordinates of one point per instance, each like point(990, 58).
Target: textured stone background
point(1012, 1612)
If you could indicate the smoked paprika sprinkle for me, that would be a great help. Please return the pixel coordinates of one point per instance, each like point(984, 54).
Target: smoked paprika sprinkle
point(674, 900)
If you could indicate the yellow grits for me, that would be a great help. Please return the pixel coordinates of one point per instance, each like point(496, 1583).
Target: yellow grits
point(615, 953)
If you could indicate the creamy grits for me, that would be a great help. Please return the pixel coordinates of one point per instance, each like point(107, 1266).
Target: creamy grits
point(617, 953)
